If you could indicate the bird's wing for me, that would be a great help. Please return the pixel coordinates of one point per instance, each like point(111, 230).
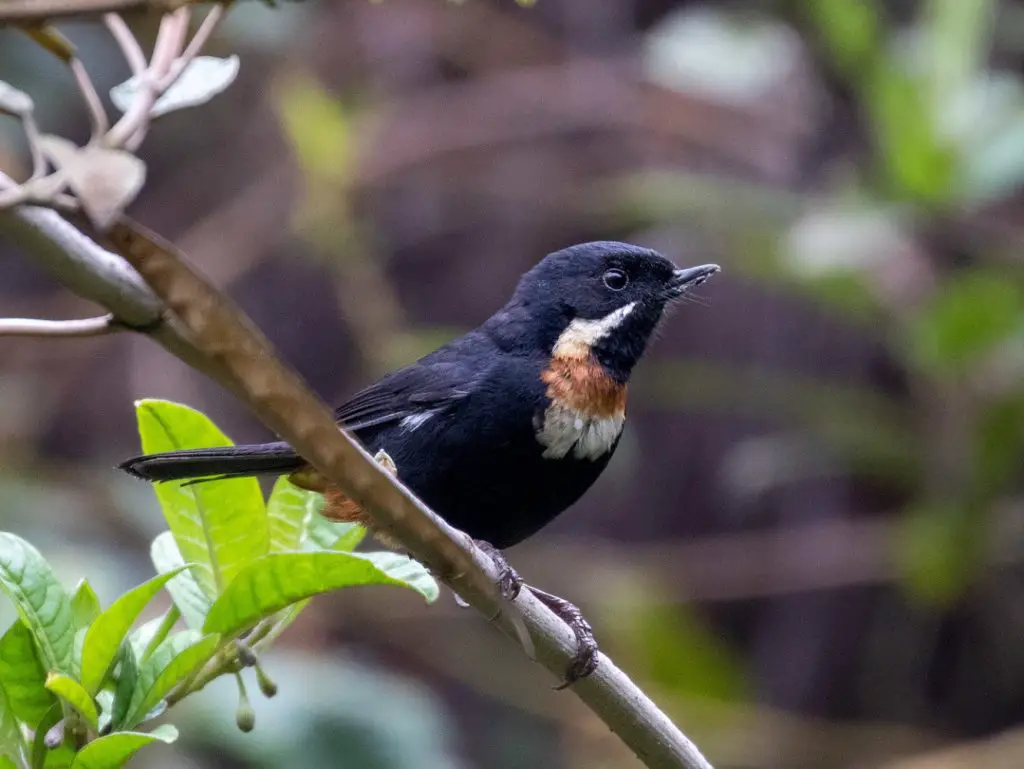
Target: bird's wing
point(432, 383)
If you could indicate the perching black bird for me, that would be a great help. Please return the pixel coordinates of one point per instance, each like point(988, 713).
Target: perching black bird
point(502, 429)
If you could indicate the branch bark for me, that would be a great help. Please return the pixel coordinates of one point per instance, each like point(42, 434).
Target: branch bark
point(197, 324)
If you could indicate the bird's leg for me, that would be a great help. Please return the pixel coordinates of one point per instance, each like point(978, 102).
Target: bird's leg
point(510, 584)
point(509, 581)
point(585, 660)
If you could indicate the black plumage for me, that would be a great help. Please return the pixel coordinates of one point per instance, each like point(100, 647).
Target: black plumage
point(477, 429)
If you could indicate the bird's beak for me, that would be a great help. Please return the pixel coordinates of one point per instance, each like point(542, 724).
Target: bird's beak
point(691, 277)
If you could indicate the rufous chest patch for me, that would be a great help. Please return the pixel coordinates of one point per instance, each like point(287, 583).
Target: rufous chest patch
point(587, 409)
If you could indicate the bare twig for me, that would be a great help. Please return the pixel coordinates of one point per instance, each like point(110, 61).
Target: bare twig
point(97, 114)
point(32, 136)
point(227, 351)
point(200, 38)
point(131, 129)
point(126, 41)
point(104, 324)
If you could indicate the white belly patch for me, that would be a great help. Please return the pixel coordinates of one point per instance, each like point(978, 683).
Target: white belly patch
point(565, 429)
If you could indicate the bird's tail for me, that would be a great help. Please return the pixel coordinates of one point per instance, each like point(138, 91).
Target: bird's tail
point(226, 462)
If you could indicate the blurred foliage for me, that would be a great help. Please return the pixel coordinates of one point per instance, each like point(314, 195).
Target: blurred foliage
point(856, 168)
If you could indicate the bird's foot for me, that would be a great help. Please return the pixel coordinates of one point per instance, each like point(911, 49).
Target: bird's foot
point(584, 662)
point(509, 581)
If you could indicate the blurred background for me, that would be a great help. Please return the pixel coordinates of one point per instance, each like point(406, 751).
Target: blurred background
point(809, 546)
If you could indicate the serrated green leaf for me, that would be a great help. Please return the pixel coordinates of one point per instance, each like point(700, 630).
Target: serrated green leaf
point(171, 662)
point(114, 750)
point(289, 512)
point(40, 598)
point(72, 692)
point(108, 631)
point(188, 596)
point(127, 678)
point(85, 604)
point(275, 581)
point(22, 675)
point(219, 524)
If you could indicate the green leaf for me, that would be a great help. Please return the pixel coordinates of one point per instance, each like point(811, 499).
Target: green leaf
point(290, 510)
point(406, 570)
point(72, 692)
point(333, 535)
point(11, 741)
point(6, 762)
point(171, 662)
point(39, 749)
point(22, 675)
point(184, 589)
point(105, 702)
point(219, 524)
point(275, 581)
point(85, 604)
point(76, 652)
point(940, 552)
point(108, 631)
point(296, 523)
point(114, 750)
point(970, 316)
point(127, 678)
point(917, 163)
point(851, 31)
point(40, 598)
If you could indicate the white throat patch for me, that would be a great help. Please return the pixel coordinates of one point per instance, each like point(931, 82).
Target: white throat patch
point(565, 429)
point(582, 334)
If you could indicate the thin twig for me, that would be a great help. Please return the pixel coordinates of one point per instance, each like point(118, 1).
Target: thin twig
point(131, 129)
point(104, 324)
point(97, 114)
point(126, 41)
point(32, 136)
point(200, 38)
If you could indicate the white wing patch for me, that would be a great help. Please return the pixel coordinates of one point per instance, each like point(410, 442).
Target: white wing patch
point(565, 429)
point(414, 421)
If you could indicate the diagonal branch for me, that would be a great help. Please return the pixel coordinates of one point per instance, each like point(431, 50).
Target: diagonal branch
point(104, 324)
point(200, 326)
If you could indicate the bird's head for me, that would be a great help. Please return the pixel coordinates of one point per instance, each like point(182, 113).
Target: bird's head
point(603, 299)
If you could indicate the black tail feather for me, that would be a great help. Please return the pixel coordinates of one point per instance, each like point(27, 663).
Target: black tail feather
point(225, 462)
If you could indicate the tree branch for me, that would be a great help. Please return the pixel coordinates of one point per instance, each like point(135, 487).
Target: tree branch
point(202, 328)
point(104, 324)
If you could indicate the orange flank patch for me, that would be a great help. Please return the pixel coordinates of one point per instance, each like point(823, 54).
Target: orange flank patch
point(582, 384)
point(339, 507)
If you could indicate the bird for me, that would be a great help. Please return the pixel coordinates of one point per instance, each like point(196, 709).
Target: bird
point(502, 429)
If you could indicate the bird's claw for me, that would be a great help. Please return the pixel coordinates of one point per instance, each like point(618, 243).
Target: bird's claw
point(584, 662)
point(509, 582)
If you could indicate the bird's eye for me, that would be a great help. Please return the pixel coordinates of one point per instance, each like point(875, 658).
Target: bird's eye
point(615, 279)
